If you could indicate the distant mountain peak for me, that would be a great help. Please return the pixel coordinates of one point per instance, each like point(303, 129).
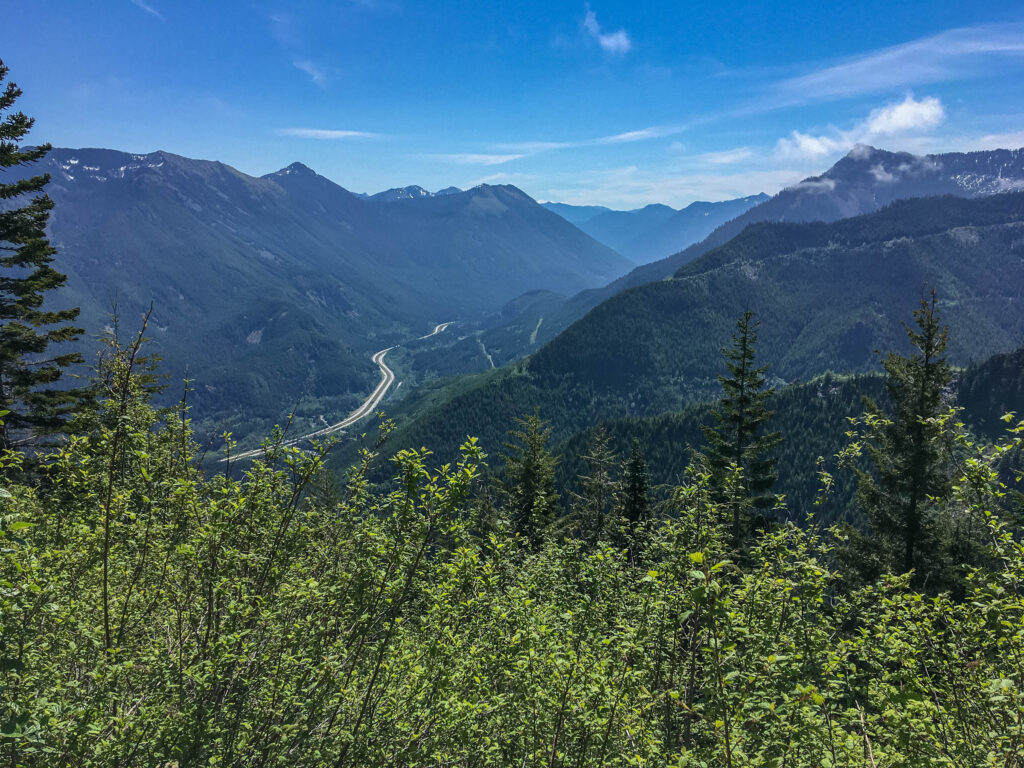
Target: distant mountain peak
point(862, 151)
point(880, 176)
point(505, 190)
point(295, 168)
point(102, 165)
point(412, 192)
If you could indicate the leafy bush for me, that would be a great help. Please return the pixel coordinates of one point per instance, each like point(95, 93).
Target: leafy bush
point(154, 616)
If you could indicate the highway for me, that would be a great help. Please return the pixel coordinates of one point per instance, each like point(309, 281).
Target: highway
point(437, 329)
point(387, 378)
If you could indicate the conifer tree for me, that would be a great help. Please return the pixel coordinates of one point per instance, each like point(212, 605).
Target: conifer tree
point(912, 460)
point(634, 507)
point(596, 500)
point(32, 404)
point(738, 436)
point(530, 479)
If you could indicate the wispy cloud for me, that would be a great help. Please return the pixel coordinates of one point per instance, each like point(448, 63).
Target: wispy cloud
point(802, 145)
point(326, 133)
point(284, 29)
point(469, 158)
point(617, 42)
point(148, 9)
point(950, 55)
point(727, 157)
point(902, 119)
point(631, 187)
point(654, 132)
point(643, 134)
point(316, 74)
point(535, 147)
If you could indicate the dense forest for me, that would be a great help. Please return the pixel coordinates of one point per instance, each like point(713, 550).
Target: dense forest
point(271, 616)
point(829, 295)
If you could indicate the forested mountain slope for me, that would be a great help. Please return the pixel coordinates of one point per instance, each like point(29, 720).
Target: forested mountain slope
point(827, 295)
point(813, 418)
point(862, 182)
point(274, 291)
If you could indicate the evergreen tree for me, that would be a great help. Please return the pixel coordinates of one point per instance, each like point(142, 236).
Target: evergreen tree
point(598, 490)
point(634, 507)
point(33, 406)
point(530, 479)
point(738, 436)
point(910, 453)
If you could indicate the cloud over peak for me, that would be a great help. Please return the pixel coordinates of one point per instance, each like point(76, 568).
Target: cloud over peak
point(910, 116)
point(617, 42)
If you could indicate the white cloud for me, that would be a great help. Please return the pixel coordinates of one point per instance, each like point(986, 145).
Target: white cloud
point(316, 74)
point(612, 42)
point(524, 148)
point(953, 54)
point(818, 186)
point(726, 157)
point(907, 119)
point(881, 175)
point(326, 133)
point(801, 145)
point(908, 115)
point(534, 147)
point(148, 9)
point(654, 132)
point(470, 158)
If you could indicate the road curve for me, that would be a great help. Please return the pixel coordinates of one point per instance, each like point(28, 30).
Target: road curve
point(387, 378)
point(437, 329)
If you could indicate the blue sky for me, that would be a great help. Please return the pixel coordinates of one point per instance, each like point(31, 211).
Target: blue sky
point(613, 103)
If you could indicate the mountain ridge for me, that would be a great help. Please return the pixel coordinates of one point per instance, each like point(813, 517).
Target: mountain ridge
point(864, 180)
point(274, 290)
point(827, 295)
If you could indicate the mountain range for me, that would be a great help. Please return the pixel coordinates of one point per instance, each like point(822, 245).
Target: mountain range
point(654, 231)
point(863, 181)
point(828, 295)
point(412, 192)
point(273, 291)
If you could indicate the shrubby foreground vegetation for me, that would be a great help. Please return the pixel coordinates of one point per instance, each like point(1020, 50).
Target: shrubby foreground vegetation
point(154, 616)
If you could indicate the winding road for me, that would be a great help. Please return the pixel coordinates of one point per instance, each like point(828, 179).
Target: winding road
point(387, 378)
